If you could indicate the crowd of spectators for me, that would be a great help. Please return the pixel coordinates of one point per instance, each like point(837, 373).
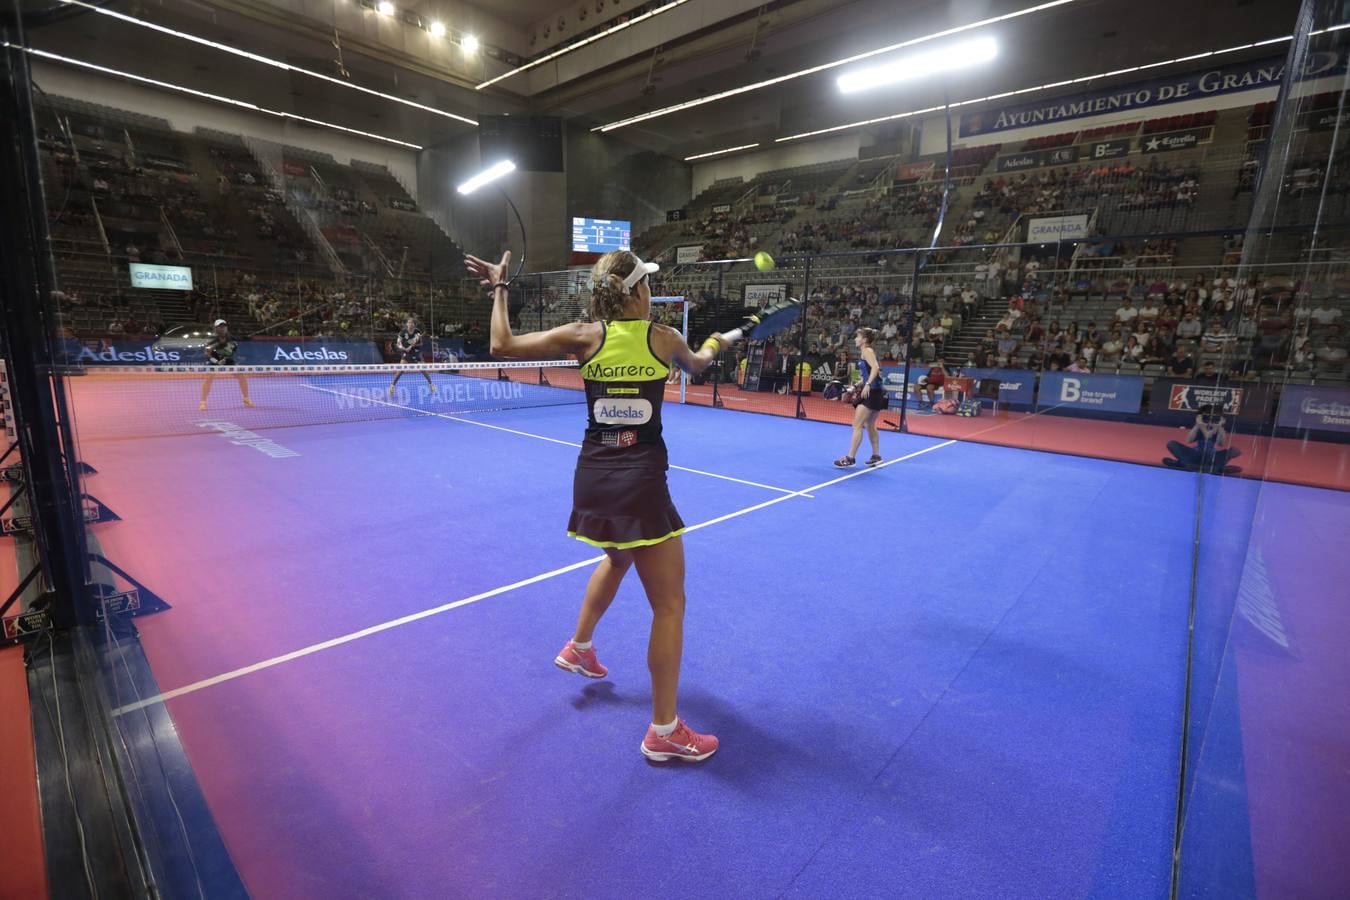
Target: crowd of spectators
point(1195, 325)
point(1120, 185)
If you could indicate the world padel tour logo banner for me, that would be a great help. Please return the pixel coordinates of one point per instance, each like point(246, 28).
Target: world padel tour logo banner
point(1190, 397)
point(1318, 408)
point(1243, 76)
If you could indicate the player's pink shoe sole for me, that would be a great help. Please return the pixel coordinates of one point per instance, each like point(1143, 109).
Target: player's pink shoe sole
point(582, 662)
point(684, 743)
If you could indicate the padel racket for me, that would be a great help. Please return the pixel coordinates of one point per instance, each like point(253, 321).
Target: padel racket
point(767, 322)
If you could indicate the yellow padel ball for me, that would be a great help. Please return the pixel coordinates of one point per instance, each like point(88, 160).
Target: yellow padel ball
point(763, 261)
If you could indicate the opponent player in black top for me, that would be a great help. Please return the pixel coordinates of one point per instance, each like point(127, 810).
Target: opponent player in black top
point(620, 501)
point(220, 351)
point(409, 346)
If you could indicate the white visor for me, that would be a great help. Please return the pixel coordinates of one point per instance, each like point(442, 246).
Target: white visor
point(642, 270)
point(218, 323)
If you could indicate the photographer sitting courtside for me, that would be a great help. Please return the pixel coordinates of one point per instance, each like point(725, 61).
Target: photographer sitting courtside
point(1206, 448)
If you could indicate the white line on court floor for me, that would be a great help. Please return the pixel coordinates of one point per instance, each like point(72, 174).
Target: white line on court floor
point(540, 437)
point(446, 607)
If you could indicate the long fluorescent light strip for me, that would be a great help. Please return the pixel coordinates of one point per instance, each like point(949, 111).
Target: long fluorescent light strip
point(582, 43)
point(824, 67)
point(265, 60)
point(720, 152)
point(228, 101)
point(1041, 87)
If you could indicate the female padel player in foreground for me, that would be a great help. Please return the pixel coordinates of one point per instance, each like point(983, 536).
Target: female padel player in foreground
point(620, 501)
point(872, 400)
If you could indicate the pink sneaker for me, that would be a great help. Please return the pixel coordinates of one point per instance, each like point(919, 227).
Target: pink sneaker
point(583, 662)
point(683, 743)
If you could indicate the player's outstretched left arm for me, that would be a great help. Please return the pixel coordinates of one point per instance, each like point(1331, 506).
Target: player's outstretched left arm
point(670, 345)
point(575, 338)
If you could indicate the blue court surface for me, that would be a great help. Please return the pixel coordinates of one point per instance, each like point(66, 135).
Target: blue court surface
point(959, 674)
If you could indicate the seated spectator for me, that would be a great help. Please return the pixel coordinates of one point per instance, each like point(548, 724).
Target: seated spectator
point(1036, 361)
point(1180, 365)
point(935, 380)
point(1206, 446)
point(1149, 310)
point(1303, 358)
point(1007, 348)
point(1325, 313)
point(1133, 351)
point(1209, 373)
point(1216, 340)
point(1330, 358)
point(1080, 366)
point(1155, 349)
point(1113, 345)
point(1127, 313)
point(937, 334)
point(1190, 327)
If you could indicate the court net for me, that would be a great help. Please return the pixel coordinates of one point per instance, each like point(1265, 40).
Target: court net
point(153, 401)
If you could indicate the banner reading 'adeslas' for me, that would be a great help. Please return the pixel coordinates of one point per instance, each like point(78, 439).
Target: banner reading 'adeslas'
point(1315, 407)
point(1103, 393)
point(250, 353)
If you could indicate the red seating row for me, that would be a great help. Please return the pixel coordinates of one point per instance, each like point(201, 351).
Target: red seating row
point(1176, 123)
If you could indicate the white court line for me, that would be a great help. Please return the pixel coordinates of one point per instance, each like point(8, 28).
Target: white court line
point(446, 607)
point(540, 437)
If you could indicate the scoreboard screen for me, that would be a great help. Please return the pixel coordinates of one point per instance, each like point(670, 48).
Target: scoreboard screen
point(600, 235)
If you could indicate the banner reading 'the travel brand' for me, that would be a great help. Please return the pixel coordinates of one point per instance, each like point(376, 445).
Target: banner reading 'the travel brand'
point(1103, 393)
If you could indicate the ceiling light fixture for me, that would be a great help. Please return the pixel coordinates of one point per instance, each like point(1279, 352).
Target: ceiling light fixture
point(437, 29)
point(582, 43)
point(216, 98)
point(720, 152)
point(824, 67)
point(265, 60)
point(1039, 87)
point(487, 176)
point(386, 8)
point(920, 65)
point(469, 43)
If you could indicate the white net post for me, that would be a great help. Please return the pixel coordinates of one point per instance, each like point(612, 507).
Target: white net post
point(683, 326)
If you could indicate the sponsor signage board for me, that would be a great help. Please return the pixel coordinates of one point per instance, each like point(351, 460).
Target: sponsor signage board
point(1314, 407)
point(1055, 228)
point(758, 295)
point(161, 278)
point(1101, 393)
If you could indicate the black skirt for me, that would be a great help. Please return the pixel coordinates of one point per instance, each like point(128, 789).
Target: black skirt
point(620, 508)
point(877, 400)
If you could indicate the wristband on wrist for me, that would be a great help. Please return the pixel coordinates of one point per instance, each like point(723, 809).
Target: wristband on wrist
point(501, 284)
point(712, 344)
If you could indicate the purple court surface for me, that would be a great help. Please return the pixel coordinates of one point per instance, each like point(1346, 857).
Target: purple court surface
point(959, 674)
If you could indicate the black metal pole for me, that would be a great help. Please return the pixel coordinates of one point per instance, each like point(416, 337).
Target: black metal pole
point(801, 342)
point(909, 343)
point(720, 368)
point(27, 287)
